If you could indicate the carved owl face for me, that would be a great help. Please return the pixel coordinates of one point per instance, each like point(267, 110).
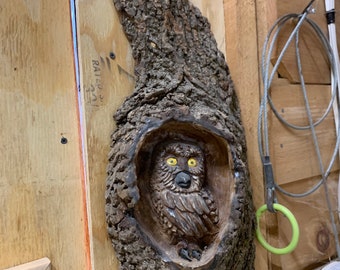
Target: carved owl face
point(178, 166)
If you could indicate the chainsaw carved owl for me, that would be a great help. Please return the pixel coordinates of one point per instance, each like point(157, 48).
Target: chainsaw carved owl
point(185, 210)
point(178, 194)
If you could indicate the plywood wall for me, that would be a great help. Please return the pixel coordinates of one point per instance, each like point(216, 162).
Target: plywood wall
point(106, 79)
point(52, 183)
point(242, 59)
point(41, 178)
point(293, 155)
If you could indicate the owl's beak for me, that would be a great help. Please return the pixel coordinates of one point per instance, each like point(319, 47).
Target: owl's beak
point(183, 180)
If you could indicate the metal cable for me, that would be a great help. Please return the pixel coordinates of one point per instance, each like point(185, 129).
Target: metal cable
point(263, 141)
point(267, 77)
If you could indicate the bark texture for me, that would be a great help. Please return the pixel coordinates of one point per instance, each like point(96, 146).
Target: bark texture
point(183, 90)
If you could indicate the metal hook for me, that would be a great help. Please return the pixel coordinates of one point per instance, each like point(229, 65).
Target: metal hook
point(309, 8)
point(270, 185)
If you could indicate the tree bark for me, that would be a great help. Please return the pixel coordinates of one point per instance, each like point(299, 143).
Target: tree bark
point(183, 91)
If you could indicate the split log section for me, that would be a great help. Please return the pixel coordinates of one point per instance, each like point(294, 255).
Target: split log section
point(184, 96)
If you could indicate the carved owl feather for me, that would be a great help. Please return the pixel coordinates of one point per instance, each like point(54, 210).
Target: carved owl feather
point(186, 210)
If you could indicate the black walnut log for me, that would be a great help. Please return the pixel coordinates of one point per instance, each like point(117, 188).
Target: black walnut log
point(178, 191)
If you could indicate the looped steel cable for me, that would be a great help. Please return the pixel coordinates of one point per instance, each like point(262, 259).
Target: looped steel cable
point(267, 77)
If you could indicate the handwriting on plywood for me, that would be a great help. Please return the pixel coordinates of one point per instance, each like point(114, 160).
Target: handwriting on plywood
point(100, 69)
point(94, 90)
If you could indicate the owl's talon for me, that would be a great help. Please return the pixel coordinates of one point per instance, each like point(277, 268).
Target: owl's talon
point(197, 254)
point(183, 253)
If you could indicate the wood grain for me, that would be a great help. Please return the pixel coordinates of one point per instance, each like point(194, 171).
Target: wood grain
point(294, 157)
point(316, 243)
point(242, 59)
point(41, 196)
point(293, 151)
point(106, 67)
point(314, 59)
point(41, 179)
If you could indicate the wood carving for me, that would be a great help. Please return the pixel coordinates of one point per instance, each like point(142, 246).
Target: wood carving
point(178, 193)
point(186, 211)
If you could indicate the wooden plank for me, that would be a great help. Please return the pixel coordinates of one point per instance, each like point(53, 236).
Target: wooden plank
point(106, 66)
point(266, 15)
point(293, 151)
point(296, 168)
point(41, 264)
point(314, 59)
point(41, 198)
point(316, 243)
point(242, 58)
point(311, 212)
point(243, 67)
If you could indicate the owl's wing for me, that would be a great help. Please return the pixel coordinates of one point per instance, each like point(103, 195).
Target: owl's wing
point(193, 214)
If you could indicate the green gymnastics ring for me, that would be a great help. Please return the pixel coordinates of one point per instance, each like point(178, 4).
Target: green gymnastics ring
point(295, 230)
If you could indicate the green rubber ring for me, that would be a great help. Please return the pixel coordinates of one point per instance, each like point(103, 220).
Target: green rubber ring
point(295, 230)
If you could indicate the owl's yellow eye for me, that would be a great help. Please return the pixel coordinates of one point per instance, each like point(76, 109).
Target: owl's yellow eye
point(192, 162)
point(171, 161)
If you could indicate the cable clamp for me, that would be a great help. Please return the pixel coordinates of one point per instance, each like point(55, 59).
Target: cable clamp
point(309, 8)
point(330, 16)
point(270, 186)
